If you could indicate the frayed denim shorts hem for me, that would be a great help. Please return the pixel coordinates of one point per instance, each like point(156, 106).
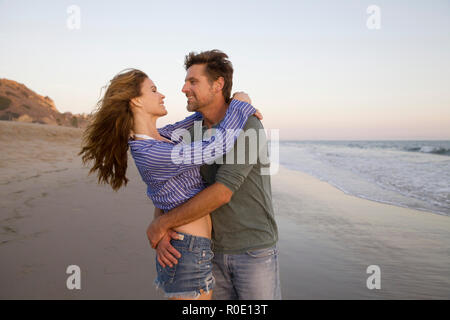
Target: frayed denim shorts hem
point(194, 294)
point(192, 275)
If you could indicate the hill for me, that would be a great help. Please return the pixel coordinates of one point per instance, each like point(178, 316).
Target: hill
point(19, 103)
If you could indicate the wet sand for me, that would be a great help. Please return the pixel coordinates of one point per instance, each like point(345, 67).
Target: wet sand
point(54, 215)
point(328, 239)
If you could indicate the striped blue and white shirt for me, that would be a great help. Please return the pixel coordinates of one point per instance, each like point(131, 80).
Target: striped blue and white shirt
point(172, 170)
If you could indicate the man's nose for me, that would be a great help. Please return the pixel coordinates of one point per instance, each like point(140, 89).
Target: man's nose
point(184, 89)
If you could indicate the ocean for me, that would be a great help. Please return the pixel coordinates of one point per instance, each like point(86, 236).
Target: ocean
point(412, 174)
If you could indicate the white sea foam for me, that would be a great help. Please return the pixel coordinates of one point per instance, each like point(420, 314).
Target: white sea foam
point(405, 173)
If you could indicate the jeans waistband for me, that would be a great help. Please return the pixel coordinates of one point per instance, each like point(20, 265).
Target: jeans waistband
point(190, 241)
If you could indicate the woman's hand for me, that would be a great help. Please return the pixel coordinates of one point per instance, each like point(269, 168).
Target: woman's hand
point(258, 114)
point(242, 96)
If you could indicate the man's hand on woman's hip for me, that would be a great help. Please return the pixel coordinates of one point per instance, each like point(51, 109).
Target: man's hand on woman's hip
point(166, 254)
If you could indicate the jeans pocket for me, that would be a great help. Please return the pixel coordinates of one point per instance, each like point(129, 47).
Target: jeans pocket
point(206, 256)
point(262, 253)
point(170, 271)
point(166, 274)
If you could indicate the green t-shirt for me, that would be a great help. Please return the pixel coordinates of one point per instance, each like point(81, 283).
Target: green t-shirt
point(247, 221)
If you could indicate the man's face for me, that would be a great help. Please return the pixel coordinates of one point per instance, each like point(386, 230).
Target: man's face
point(197, 88)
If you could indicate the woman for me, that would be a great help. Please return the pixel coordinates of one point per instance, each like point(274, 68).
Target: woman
point(126, 117)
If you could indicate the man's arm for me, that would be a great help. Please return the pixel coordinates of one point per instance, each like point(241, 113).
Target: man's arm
point(166, 254)
point(228, 179)
point(195, 208)
point(158, 212)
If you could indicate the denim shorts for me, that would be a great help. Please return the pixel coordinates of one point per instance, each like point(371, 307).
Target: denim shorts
point(192, 273)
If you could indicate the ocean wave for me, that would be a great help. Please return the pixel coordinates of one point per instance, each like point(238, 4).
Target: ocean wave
point(430, 149)
point(378, 172)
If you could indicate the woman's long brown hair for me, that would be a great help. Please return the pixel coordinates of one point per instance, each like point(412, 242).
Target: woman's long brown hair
point(105, 140)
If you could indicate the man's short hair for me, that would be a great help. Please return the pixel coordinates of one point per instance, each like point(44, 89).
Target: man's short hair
point(216, 65)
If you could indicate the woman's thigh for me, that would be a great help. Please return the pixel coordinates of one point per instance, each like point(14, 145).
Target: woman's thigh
point(203, 296)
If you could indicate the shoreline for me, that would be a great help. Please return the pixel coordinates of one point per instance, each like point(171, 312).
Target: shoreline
point(386, 172)
point(341, 235)
point(366, 198)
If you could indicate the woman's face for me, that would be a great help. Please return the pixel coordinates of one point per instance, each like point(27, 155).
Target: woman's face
point(151, 100)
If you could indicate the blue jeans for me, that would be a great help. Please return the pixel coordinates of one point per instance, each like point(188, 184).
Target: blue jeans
point(253, 275)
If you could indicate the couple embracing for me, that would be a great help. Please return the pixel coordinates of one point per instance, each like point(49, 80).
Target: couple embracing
point(213, 230)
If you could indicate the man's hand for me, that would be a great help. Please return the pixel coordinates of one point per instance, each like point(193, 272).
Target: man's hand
point(165, 252)
point(155, 233)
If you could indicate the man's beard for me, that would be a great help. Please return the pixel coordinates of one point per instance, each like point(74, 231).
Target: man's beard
point(192, 106)
point(195, 105)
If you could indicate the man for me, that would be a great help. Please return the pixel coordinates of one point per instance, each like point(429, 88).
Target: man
point(239, 196)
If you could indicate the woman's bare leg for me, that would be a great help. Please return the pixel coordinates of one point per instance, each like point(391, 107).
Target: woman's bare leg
point(203, 296)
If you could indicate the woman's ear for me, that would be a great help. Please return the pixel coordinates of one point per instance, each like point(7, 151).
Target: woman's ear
point(135, 102)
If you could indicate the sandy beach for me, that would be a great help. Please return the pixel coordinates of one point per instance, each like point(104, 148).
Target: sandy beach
point(53, 215)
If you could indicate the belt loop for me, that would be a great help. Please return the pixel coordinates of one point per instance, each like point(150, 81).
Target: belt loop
point(191, 244)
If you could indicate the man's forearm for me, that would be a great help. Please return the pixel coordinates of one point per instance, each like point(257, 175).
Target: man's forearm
point(197, 207)
point(158, 213)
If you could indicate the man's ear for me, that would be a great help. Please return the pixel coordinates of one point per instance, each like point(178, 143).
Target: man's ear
point(219, 84)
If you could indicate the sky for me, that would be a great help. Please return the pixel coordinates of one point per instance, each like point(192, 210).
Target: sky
point(318, 70)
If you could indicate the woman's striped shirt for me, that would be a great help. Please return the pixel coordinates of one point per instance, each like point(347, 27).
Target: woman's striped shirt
point(172, 170)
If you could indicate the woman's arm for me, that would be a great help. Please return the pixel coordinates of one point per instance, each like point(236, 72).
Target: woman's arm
point(187, 123)
point(164, 160)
